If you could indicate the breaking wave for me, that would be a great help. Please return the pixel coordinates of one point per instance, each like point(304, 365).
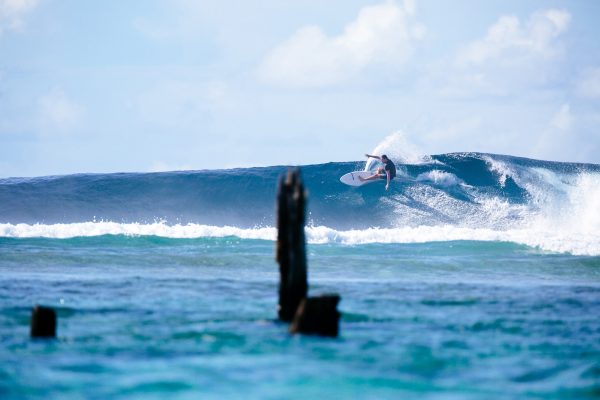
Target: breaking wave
point(460, 196)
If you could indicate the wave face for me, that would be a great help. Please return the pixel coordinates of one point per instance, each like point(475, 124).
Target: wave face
point(458, 196)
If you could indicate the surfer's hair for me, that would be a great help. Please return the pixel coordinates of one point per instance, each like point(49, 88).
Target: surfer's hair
point(384, 156)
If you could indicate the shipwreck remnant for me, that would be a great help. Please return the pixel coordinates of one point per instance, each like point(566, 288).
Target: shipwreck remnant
point(43, 322)
point(291, 248)
point(317, 315)
point(312, 315)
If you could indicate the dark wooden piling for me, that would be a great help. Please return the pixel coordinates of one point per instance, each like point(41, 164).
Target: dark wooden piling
point(43, 322)
point(290, 251)
point(313, 315)
point(317, 316)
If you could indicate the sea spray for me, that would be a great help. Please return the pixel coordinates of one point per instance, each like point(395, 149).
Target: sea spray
point(399, 149)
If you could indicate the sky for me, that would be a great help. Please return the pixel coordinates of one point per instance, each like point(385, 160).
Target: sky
point(158, 85)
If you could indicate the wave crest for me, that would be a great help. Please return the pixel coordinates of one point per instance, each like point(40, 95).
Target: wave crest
point(548, 240)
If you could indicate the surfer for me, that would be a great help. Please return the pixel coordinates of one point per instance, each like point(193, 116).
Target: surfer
point(388, 171)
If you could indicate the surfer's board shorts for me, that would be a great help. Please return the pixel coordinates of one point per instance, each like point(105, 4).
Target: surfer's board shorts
point(384, 176)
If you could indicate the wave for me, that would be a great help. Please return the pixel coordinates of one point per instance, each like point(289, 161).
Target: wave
point(160, 229)
point(439, 178)
point(547, 240)
point(456, 196)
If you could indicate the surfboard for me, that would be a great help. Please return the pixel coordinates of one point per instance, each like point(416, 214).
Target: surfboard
point(352, 178)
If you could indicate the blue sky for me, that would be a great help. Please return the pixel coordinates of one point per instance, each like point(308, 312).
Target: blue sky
point(106, 86)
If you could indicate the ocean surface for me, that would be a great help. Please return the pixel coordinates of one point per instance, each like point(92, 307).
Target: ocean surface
point(476, 276)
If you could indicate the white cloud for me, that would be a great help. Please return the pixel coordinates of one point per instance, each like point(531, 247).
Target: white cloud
point(512, 57)
point(588, 84)
point(381, 35)
point(58, 113)
point(509, 38)
point(13, 11)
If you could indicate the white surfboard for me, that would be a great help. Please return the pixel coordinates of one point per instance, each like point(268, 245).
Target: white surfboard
point(352, 178)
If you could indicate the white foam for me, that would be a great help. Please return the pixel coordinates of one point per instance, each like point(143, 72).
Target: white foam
point(577, 211)
point(587, 243)
point(88, 229)
point(550, 241)
point(499, 168)
point(438, 177)
point(398, 148)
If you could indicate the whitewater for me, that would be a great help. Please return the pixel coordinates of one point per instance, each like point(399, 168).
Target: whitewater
point(461, 196)
point(557, 241)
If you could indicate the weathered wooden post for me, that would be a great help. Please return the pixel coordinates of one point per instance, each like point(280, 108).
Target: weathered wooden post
point(317, 316)
point(43, 322)
point(312, 315)
point(291, 252)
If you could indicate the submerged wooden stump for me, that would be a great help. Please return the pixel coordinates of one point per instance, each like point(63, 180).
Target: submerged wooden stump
point(291, 251)
point(43, 322)
point(318, 316)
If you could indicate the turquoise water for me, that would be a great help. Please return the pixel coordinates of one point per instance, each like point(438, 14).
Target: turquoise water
point(151, 317)
point(476, 276)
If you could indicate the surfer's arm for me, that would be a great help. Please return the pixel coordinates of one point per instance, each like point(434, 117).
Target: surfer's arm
point(369, 155)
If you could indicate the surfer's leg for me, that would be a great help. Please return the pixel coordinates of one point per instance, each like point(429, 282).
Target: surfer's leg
point(376, 175)
point(370, 178)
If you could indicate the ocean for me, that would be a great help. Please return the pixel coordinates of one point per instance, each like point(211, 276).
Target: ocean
point(476, 276)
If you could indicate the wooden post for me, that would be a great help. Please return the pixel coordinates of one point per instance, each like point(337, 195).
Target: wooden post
point(317, 316)
point(290, 251)
point(43, 322)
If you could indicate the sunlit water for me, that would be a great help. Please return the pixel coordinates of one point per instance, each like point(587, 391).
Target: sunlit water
point(149, 317)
